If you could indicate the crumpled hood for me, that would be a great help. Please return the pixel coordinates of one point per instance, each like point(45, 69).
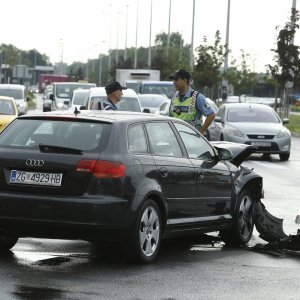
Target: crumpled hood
point(239, 151)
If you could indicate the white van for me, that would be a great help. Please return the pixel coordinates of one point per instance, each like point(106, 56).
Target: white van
point(16, 91)
point(129, 101)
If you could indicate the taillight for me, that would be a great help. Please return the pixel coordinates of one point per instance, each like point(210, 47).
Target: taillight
point(102, 168)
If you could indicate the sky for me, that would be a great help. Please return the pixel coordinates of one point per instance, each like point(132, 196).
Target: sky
point(70, 31)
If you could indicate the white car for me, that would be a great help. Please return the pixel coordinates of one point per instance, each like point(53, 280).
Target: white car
point(153, 102)
point(79, 98)
point(129, 102)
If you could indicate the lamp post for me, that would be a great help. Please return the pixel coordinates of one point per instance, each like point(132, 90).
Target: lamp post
point(168, 38)
point(192, 40)
point(150, 36)
point(136, 34)
point(125, 51)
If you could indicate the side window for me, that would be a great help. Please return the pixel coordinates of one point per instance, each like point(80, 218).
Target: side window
point(136, 139)
point(162, 139)
point(195, 145)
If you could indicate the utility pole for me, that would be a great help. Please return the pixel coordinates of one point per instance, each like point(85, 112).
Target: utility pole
point(224, 92)
point(136, 34)
point(192, 40)
point(168, 39)
point(150, 36)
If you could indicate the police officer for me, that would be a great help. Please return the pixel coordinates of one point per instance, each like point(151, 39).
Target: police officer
point(114, 95)
point(189, 105)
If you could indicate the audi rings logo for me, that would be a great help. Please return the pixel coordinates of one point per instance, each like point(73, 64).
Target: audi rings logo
point(34, 162)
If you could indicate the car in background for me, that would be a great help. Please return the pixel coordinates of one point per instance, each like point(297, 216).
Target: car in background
point(129, 101)
point(126, 178)
point(34, 89)
point(8, 111)
point(16, 91)
point(253, 124)
point(157, 87)
point(79, 98)
point(62, 93)
point(153, 102)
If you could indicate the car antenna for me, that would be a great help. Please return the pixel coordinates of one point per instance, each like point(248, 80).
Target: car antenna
point(76, 111)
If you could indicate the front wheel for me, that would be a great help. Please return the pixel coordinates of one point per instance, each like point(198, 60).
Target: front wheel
point(7, 241)
point(243, 221)
point(144, 242)
point(284, 156)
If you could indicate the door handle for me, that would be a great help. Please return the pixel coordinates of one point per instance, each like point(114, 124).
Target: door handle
point(163, 172)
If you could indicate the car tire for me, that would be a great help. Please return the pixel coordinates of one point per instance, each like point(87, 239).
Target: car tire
point(7, 241)
point(243, 221)
point(45, 109)
point(144, 242)
point(284, 156)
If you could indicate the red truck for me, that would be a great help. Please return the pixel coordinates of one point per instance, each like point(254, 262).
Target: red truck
point(46, 79)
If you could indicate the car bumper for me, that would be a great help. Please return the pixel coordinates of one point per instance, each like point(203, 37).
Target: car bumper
point(274, 146)
point(85, 217)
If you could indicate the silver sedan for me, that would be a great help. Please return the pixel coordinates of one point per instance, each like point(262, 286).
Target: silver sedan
point(253, 124)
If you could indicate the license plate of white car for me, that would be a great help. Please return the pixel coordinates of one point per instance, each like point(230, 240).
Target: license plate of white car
point(261, 144)
point(22, 177)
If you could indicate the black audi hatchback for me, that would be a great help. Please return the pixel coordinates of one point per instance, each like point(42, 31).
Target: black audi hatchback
point(122, 177)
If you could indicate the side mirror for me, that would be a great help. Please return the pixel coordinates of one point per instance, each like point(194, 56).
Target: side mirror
point(285, 121)
point(146, 110)
point(27, 98)
point(218, 119)
point(51, 96)
point(66, 103)
point(224, 154)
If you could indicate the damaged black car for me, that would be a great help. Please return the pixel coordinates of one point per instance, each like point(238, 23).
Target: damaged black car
point(120, 177)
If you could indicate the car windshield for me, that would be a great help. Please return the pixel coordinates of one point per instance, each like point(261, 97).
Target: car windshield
point(126, 104)
point(80, 98)
point(30, 133)
point(66, 90)
point(249, 114)
point(160, 89)
point(17, 94)
point(151, 101)
point(7, 108)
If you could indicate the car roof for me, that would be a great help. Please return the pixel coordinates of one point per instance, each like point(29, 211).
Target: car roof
point(97, 115)
point(6, 98)
point(157, 82)
point(100, 91)
point(12, 86)
point(249, 105)
point(153, 95)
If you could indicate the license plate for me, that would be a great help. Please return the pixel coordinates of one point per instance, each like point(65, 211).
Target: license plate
point(49, 179)
point(261, 144)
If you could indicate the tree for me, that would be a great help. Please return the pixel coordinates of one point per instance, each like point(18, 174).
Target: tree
point(286, 58)
point(207, 73)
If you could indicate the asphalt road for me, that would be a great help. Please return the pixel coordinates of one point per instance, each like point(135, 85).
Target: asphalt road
point(185, 269)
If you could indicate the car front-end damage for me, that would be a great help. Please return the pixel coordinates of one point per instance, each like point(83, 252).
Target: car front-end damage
point(269, 227)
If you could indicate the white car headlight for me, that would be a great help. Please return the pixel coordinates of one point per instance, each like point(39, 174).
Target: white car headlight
point(284, 132)
point(234, 132)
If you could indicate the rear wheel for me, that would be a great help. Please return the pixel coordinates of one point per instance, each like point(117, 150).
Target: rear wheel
point(7, 241)
point(284, 156)
point(144, 242)
point(243, 221)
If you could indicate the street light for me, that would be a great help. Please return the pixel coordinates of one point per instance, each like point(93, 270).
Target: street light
point(125, 52)
point(136, 34)
point(150, 33)
point(192, 39)
point(168, 39)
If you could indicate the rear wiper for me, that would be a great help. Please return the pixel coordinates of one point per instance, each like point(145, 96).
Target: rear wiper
point(58, 149)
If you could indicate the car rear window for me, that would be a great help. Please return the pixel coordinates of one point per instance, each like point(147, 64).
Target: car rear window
point(30, 133)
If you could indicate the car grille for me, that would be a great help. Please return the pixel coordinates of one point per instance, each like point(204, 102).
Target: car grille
point(260, 136)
